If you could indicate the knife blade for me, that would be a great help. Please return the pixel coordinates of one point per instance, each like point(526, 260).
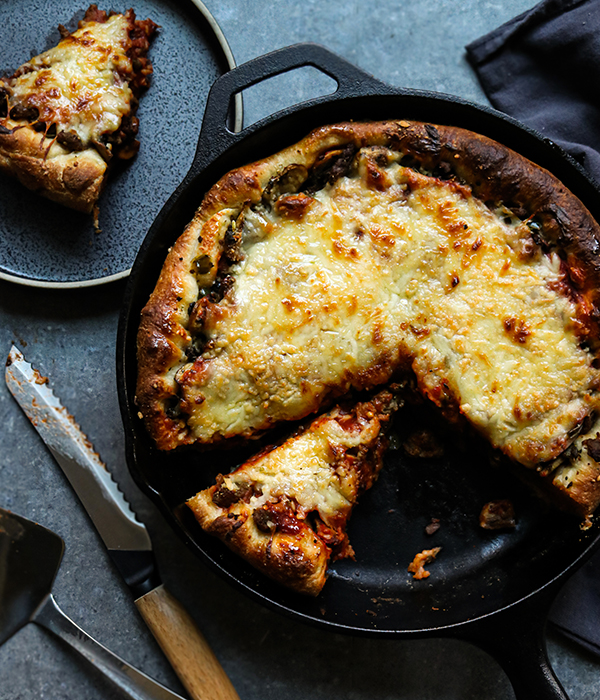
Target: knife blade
point(126, 538)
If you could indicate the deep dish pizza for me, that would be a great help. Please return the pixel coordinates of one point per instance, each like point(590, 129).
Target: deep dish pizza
point(286, 509)
point(66, 113)
point(372, 251)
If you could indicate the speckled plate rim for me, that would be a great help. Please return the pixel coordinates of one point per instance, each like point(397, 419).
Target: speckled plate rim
point(238, 117)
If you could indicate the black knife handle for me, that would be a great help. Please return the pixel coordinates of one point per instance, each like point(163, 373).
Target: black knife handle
point(138, 568)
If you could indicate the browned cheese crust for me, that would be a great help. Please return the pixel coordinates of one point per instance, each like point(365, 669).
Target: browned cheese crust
point(471, 165)
point(43, 142)
point(285, 510)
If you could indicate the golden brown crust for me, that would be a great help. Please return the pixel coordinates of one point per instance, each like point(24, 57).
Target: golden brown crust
point(297, 561)
point(74, 179)
point(280, 534)
point(496, 175)
point(581, 494)
point(574, 479)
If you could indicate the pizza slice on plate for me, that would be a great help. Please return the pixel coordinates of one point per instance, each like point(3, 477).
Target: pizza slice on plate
point(66, 113)
point(285, 510)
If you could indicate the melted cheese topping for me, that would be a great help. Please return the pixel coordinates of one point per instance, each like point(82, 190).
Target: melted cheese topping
point(304, 468)
point(77, 84)
point(409, 269)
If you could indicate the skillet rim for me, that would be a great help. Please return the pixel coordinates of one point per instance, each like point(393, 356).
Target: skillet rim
point(223, 150)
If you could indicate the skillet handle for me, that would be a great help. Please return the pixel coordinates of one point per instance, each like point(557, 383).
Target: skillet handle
point(215, 137)
point(516, 638)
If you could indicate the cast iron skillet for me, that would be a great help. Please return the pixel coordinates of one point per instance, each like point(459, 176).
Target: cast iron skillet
point(492, 589)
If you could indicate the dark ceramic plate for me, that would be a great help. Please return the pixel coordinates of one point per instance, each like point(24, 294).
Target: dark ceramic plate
point(44, 244)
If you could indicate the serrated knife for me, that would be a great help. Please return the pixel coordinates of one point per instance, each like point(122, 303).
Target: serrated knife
point(125, 537)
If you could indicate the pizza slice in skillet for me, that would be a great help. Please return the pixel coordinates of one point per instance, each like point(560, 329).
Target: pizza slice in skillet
point(66, 113)
point(372, 250)
point(285, 510)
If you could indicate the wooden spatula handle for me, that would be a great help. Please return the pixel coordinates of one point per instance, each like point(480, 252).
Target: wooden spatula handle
point(184, 645)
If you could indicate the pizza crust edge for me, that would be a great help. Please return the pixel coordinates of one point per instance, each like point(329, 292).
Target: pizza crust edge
point(495, 172)
point(74, 179)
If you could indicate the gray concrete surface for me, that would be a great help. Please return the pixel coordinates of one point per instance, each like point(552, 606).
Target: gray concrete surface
point(70, 336)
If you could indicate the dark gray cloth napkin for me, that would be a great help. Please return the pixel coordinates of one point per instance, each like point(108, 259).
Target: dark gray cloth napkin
point(543, 68)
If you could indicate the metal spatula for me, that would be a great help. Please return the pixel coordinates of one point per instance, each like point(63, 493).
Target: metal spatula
point(30, 557)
